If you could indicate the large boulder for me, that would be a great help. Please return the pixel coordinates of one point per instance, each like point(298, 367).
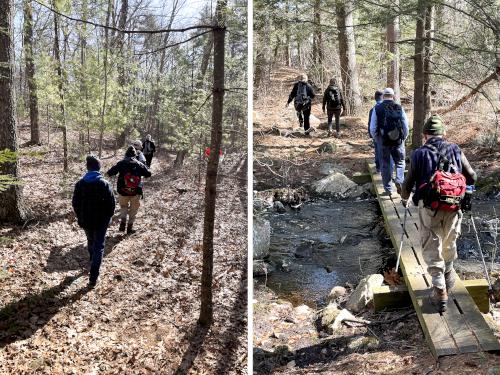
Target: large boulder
point(363, 293)
point(335, 185)
point(261, 238)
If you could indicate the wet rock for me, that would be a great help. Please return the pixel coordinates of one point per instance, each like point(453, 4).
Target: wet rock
point(303, 250)
point(363, 293)
point(336, 292)
point(363, 342)
point(327, 147)
point(261, 238)
point(279, 207)
point(335, 185)
point(363, 191)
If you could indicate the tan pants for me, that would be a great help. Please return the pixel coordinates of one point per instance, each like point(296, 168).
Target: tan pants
point(130, 206)
point(438, 233)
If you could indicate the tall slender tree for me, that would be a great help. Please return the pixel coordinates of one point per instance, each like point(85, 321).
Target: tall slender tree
point(11, 208)
point(219, 34)
point(30, 71)
point(392, 32)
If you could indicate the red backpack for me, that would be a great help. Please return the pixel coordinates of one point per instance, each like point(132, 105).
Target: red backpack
point(132, 183)
point(446, 188)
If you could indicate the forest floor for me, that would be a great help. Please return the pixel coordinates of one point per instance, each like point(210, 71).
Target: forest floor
point(287, 339)
point(141, 318)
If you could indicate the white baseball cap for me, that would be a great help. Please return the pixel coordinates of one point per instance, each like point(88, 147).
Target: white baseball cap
point(388, 91)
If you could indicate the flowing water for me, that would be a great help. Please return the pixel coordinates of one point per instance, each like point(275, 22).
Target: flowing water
point(330, 243)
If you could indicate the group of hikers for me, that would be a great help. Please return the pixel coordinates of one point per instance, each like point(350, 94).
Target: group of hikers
point(94, 201)
point(440, 179)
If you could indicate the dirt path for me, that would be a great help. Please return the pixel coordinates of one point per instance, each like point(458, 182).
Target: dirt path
point(141, 317)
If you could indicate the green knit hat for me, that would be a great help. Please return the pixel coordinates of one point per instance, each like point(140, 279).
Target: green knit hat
point(434, 126)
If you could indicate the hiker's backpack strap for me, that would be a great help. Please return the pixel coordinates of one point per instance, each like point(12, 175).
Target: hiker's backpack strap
point(444, 164)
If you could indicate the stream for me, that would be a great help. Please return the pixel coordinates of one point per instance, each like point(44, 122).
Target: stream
point(329, 243)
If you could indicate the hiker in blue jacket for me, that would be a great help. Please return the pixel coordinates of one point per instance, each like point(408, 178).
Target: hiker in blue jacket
point(378, 100)
point(389, 128)
point(94, 205)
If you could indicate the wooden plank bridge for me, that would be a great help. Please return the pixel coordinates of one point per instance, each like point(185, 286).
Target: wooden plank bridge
point(462, 328)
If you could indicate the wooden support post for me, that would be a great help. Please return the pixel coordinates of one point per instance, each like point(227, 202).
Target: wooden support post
point(392, 297)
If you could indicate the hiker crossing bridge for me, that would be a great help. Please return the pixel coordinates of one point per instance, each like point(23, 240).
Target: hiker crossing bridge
point(461, 328)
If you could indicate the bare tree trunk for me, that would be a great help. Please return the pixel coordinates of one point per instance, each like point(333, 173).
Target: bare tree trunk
point(318, 41)
point(393, 48)
point(83, 84)
point(11, 208)
point(104, 101)
point(418, 77)
point(347, 52)
point(429, 34)
point(57, 56)
point(207, 52)
point(30, 72)
point(122, 74)
point(206, 310)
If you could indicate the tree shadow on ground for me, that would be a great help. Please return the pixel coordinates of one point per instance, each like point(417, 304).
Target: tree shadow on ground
point(234, 329)
point(20, 320)
point(195, 339)
point(77, 257)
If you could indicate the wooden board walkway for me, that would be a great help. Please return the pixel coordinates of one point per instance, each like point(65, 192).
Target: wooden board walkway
point(462, 328)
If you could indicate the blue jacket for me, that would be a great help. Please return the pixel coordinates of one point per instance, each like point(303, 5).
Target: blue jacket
point(375, 120)
point(93, 201)
point(370, 116)
point(424, 163)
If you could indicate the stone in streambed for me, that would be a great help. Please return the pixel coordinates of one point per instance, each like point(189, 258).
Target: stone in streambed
point(261, 238)
point(336, 292)
point(363, 293)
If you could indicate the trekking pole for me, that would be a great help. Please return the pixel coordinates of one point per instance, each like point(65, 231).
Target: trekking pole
point(490, 289)
point(402, 237)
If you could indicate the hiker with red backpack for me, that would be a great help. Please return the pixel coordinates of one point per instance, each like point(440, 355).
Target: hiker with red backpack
point(129, 186)
point(389, 128)
point(440, 173)
point(94, 205)
point(302, 95)
point(334, 103)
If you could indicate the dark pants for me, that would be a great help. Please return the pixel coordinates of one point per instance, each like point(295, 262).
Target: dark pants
point(330, 113)
point(304, 118)
point(95, 242)
point(148, 157)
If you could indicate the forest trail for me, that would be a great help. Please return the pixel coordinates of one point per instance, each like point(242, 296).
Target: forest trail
point(141, 317)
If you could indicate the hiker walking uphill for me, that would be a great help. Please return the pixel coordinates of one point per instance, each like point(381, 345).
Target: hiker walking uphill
point(129, 186)
point(334, 102)
point(94, 204)
point(302, 94)
point(443, 164)
point(389, 128)
point(148, 148)
point(137, 145)
point(378, 99)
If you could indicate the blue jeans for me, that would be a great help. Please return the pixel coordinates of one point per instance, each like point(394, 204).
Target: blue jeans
point(397, 154)
point(377, 155)
point(95, 241)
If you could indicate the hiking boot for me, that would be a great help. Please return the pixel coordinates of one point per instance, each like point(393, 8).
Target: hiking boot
point(337, 134)
point(130, 230)
point(449, 279)
point(399, 188)
point(330, 128)
point(122, 226)
point(439, 298)
point(92, 284)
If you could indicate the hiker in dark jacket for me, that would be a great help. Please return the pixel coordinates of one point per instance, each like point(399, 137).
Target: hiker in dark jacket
point(94, 205)
point(302, 94)
point(378, 100)
point(129, 186)
point(438, 229)
point(334, 102)
point(148, 148)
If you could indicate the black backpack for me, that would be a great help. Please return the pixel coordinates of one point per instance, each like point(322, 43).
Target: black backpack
point(302, 100)
point(392, 128)
point(333, 97)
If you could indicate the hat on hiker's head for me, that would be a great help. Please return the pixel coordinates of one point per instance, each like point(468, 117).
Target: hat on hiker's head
point(137, 144)
point(333, 82)
point(303, 77)
point(93, 163)
point(378, 95)
point(434, 126)
point(388, 91)
point(130, 152)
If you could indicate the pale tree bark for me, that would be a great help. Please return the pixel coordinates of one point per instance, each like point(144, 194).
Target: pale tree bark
point(428, 44)
point(347, 52)
point(318, 41)
point(83, 84)
point(206, 309)
point(11, 208)
point(57, 57)
point(122, 72)
point(104, 101)
point(392, 32)
point(288, 56)
point(30, 71)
